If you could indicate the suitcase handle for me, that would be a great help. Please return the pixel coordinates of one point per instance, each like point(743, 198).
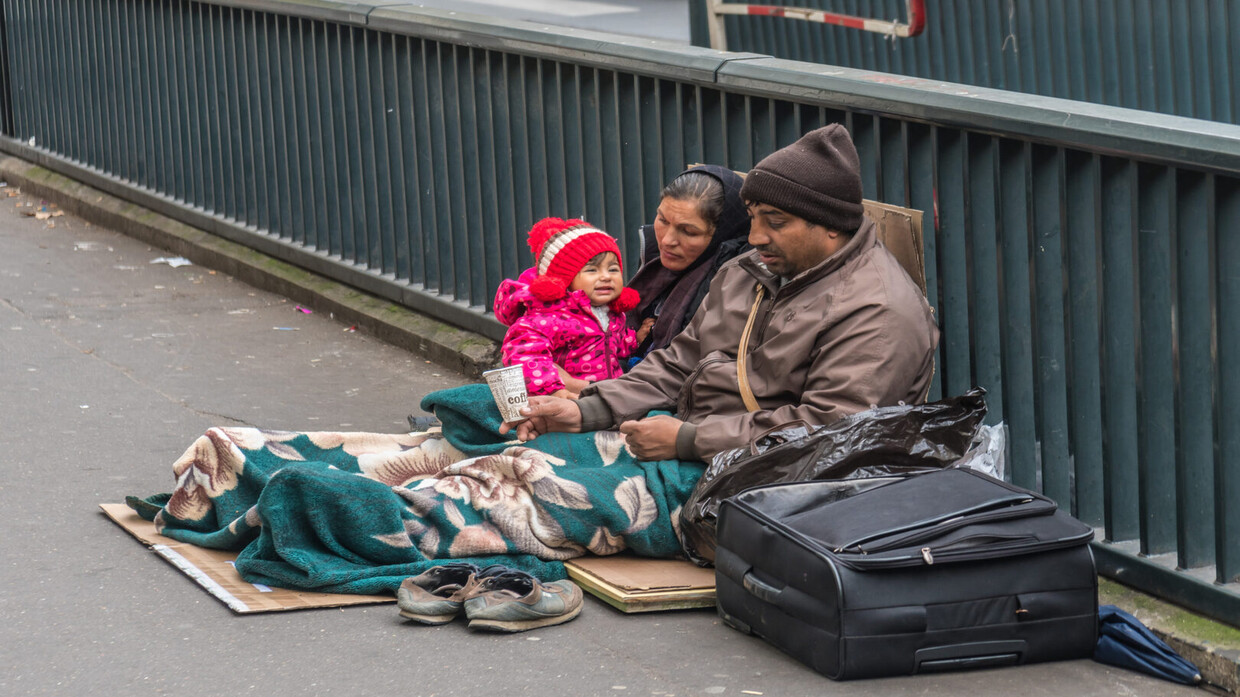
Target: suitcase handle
point(760, 589)
point(981, 654)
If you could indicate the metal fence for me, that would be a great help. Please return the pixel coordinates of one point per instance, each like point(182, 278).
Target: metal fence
point(1082, 259)
point(6, 96)
point(1168, 56)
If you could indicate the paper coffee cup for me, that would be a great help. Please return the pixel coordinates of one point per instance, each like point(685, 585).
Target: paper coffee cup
point(508, 388)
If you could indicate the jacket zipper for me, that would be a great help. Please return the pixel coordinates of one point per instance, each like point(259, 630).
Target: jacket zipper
point(607, 344)
point(766, 319)
point(685, 403)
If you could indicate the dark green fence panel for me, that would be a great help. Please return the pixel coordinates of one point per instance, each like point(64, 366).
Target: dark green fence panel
point(1168, 56)
point(1081, 259)
point(1226, 392)
point(1156, 414)
point(1016, 330)
point(1119, 318)
point(1194, 409)
point(6, 80)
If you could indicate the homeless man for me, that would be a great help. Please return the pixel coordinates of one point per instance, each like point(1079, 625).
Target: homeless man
point(833, 325)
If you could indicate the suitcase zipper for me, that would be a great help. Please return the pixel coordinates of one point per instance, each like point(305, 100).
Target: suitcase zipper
point(946, 556)
point(920, 529)
point(855, 561)
point(963, 545)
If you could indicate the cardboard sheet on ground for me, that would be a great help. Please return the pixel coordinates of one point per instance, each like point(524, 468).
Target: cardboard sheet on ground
point(636, 584)
point(213, 570)
point(626, 582)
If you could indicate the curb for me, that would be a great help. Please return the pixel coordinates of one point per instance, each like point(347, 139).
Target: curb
point(1212, 646)
point(452, 347)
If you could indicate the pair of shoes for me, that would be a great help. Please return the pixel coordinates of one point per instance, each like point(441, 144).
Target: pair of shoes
point(436, 595)
point(514, 601)
point(496, 598)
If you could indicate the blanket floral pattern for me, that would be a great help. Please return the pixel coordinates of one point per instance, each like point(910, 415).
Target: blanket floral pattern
point(358, 512)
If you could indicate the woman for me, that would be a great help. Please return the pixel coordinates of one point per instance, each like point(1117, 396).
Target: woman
point(700, 223)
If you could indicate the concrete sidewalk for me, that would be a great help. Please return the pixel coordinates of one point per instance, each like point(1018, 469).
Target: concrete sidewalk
point(113, 362)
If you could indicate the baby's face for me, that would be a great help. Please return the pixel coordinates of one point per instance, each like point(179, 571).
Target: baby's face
point(600, 279)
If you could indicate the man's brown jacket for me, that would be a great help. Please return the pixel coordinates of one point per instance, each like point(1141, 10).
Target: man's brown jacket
point(851, 333)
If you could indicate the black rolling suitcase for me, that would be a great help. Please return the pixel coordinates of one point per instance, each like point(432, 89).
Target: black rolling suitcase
point(939, 571)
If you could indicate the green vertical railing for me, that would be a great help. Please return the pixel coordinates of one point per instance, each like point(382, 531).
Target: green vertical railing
point(1081, 259)
point(6, 91)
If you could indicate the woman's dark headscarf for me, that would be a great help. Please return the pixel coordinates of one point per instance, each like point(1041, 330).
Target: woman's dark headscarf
point(678, 294)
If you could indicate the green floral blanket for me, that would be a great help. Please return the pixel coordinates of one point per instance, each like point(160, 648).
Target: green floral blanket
point(359, 512)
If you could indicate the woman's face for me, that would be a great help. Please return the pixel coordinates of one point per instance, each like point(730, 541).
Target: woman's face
point(681, 232)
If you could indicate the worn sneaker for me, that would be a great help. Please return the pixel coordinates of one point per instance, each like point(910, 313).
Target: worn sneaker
point(515, 601)
point(435, 596)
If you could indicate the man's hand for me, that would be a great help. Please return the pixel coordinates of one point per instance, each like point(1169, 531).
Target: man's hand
point(546, 414)
point(652, 438)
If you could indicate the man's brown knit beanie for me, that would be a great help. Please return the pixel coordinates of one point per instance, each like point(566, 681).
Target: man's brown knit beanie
point(817, 178)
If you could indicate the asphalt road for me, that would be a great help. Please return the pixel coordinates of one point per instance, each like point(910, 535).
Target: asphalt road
point(110, 366)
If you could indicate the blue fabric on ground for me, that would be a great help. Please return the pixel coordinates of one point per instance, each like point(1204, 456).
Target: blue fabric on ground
point(1125, 642)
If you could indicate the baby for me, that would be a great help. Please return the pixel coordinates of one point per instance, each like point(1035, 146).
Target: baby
point(565, 316)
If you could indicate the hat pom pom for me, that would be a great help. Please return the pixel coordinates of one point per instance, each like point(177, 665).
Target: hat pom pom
point(542, 231)
point(548, 288)
point(627, 301)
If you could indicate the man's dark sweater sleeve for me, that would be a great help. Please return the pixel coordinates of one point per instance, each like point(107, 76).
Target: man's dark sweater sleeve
point(595, 414)
point(685, 449)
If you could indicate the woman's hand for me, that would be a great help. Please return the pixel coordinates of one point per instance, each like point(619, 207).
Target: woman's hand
point(644, 330)
point(572, 384)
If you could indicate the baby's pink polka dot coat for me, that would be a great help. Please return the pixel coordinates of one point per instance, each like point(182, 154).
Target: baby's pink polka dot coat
point(564, 332)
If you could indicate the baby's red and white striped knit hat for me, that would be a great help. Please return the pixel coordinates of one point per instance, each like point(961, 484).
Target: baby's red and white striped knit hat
point(561, 249)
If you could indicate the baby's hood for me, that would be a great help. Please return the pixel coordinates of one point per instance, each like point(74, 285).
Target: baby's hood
point(513, 297)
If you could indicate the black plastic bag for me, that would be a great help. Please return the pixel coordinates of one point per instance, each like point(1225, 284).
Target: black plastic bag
point(881, 442)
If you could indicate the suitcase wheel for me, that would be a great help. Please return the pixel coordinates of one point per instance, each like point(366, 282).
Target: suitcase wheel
point(733, 622)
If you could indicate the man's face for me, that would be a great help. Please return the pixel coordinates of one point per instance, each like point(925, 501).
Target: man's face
point(787, 244)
